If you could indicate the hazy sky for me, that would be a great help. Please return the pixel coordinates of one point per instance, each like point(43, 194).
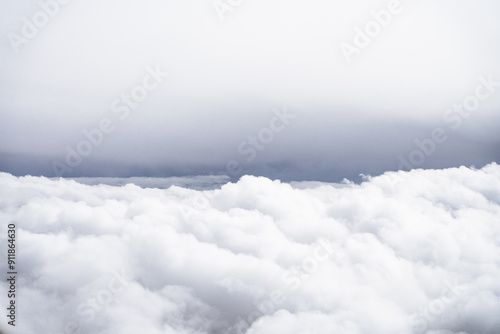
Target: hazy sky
point(254, 87)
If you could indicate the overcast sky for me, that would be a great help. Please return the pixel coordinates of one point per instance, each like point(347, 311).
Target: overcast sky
point(321, 99)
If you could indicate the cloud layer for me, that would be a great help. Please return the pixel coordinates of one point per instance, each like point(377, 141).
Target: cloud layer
point(407, 252)
point(226, 77)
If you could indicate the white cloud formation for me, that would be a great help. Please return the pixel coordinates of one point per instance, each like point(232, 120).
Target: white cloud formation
point(407, 252)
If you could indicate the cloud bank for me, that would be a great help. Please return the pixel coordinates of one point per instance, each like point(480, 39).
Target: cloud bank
point(407, 252)
point(88, 62)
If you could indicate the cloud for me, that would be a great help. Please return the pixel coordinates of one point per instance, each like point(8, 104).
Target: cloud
point(194, 182)
point(227, 76)
point(405, 252)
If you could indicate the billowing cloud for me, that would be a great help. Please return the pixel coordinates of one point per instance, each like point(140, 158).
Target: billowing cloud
point(407, 252)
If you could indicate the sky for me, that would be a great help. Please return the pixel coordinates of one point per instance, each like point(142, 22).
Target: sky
point(293, 90)
point(234, 166)
point(404, 252)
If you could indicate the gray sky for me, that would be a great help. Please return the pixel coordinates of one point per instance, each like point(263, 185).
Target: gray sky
point(230, 73)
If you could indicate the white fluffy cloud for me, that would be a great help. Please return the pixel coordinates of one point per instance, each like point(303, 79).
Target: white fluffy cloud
point(414, 252)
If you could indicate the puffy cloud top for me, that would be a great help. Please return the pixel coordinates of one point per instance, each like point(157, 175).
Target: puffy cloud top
point(407, 252)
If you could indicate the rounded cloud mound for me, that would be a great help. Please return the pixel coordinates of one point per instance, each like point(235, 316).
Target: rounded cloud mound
point(407, 252)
